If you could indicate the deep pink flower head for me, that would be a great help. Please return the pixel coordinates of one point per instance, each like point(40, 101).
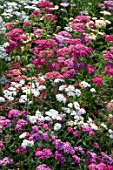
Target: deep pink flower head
point(44, 4)
point(97, 80)
point(90, 69)
point(109, 70)
point(109, 167)
point(109, 38)
point(36, 12)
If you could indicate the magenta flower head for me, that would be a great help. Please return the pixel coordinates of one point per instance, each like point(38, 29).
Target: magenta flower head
point(24, 113)
point(96, 145)
point(70, 129)
point(76, 134)
point(76, 159)
point(59, 157)
point(43, 167)
point(48, 152)
point(13, 113)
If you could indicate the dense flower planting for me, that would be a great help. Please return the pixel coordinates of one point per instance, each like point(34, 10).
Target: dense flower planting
point(56, 85)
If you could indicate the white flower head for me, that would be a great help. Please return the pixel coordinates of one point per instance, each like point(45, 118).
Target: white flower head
point(27, 143)
point(61, 98)
point(76, 105)
point(93, 126)
point(85, 84)
point(77, 92)
point(103, 125)
point(70, 105)
point(81, 111)
point(32, 119)
point(2, 99)
point(62, 87)
point(92, 90)
point(22, 82)
point(58, 80)
point(70, 88)
point(23, 135)
point(57, 126)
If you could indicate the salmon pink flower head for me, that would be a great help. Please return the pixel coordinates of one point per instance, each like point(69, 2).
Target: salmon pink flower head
point(54, 75)
point(50, 17)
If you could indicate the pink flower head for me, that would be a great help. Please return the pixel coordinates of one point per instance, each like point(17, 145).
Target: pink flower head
point(9, 26)
point(43, 167)
point(26, 24)
point(1, 144)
